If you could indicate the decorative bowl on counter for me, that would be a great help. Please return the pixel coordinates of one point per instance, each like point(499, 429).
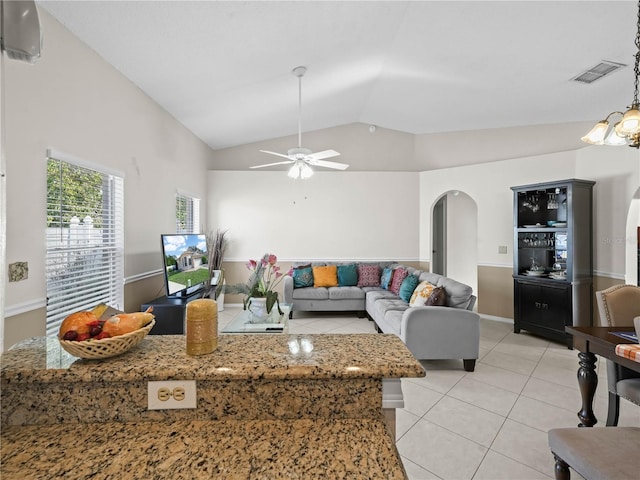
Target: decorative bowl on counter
point(106, 347)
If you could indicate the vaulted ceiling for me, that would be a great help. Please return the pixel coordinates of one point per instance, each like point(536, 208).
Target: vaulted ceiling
point(223, 69)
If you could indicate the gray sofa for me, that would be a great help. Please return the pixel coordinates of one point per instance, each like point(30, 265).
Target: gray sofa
point(430, 332)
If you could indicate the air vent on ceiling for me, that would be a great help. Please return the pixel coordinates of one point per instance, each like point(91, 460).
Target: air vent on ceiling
point(605, 67)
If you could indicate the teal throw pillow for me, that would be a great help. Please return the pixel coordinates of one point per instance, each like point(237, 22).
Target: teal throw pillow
point(347, 275)
point(385, 279)
point(409, 284)
point(303, 277)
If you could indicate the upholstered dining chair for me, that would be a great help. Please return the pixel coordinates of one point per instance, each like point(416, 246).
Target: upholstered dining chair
point(618, 306)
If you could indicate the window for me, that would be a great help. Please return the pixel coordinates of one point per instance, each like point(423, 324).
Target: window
point(187, 214)
point(84, 260)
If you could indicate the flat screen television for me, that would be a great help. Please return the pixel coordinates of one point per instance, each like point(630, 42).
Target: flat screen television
point(186, 269)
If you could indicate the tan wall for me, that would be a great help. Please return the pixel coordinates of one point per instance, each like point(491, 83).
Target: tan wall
point(25, 325)
point(495, 295)
point(143, 291)
point(236, 272)
point(495, 291)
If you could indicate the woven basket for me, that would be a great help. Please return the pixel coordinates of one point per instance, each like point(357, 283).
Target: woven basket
point(106, 347)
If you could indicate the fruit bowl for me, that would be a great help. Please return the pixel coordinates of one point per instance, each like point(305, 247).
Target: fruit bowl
point(106, 347)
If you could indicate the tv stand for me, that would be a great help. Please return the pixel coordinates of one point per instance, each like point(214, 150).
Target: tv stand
point(170, 313)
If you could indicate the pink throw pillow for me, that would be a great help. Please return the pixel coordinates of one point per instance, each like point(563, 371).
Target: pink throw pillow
point(368, 275)
point(399, 274)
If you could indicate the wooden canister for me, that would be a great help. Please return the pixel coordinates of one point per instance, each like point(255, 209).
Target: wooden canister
point(202, 326)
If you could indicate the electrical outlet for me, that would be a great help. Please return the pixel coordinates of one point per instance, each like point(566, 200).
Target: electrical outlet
point(502, 249)
point(171, 394)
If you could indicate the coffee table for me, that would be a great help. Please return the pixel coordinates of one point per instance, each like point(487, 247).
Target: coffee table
point(242, 322)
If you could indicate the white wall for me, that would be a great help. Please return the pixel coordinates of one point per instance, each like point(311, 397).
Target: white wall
point(331, 216)
point(73, 101)
point(462, 241)
point(489, 186)
point(616, 172)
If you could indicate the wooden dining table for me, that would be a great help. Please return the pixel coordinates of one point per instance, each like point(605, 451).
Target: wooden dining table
point(592, 341)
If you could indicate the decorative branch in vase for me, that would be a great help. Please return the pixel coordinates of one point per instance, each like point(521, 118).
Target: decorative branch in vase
point(216, 248)
point(264, 278)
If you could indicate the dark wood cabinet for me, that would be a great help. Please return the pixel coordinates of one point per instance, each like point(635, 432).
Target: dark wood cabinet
point(552, 261)
point(170, 314)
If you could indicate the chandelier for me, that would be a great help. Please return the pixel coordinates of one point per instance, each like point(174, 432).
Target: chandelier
point(627, 130)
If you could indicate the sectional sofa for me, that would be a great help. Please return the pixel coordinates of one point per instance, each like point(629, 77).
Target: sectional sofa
point(446, 328)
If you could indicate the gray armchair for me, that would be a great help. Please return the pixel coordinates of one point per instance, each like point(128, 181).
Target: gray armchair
point(618, 306)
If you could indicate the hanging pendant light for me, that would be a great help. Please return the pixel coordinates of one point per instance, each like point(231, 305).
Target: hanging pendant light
point(627, 130)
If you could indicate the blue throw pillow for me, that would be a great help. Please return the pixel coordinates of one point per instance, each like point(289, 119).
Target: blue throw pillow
point(385, 279)
point(409, 284)
point(303, 277)
point(347, 275)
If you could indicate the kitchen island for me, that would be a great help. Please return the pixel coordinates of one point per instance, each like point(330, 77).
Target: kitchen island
point(285, 406)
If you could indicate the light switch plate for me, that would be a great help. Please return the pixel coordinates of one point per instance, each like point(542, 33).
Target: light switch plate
point(171, 394)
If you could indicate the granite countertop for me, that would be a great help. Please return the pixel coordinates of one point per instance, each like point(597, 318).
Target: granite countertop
point(162, 357)
point(181, 450)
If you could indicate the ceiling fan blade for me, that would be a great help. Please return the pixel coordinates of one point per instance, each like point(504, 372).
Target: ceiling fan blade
point(322, 155)
point(276, 153)
point(324, 163)
point(272, 164)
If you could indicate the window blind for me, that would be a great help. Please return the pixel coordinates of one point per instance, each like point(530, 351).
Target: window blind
point(187, 214)
point(85, 240)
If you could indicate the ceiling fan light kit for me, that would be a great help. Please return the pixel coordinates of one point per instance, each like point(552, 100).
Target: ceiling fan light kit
point(627, 130)
point(302, 158)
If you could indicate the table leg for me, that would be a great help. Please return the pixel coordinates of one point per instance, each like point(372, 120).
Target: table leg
point(588, 381)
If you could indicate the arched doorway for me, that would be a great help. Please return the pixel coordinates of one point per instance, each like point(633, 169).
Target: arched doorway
point(632, 245)
point(454, 226)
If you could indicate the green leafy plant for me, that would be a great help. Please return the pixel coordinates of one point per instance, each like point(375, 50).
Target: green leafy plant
point(264, 278)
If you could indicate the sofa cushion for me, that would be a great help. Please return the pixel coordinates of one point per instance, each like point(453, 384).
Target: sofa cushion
point(382, 306)
point(345, 293)
point(413, 271)
point(385, 278)
point(458, 294)
point(326, 276)
point(373, 296)
point(347, 275)
point(437, 298)
point(303, 277)
point(392, 322)
point(368, 275)
point(310, 293)
point(407, 287)
point(399, 274)
point(421, 294)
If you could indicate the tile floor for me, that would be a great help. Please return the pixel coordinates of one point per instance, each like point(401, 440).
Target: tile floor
point(490, 424)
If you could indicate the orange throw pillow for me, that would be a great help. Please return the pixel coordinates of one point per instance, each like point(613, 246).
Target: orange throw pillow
point(325, 276)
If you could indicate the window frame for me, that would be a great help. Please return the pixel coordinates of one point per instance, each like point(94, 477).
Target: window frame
point(190, 205)
point(84, 263)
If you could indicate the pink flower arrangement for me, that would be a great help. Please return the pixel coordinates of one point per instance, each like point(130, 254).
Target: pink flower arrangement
point(264, 278)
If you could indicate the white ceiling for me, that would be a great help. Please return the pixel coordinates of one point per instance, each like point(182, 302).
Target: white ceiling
point(223, 69)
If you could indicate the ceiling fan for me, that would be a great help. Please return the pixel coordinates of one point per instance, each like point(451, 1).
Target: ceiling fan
point(303, 158)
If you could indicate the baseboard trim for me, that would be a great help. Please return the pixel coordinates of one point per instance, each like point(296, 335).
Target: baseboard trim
point(615, 276)
point(496, 319)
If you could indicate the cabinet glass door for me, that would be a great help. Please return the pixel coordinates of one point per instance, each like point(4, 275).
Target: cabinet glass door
point(545, 207)
point(542, 254)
